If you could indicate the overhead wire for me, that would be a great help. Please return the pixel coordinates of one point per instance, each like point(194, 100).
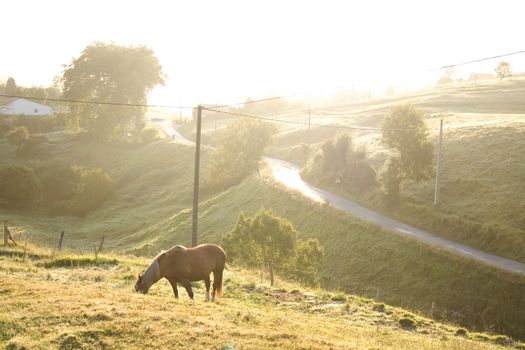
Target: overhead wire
point(340, 87)
point(476, 61)
point(216, 107)
point(95, 102)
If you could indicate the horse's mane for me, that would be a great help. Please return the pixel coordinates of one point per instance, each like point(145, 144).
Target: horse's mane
point(152, 273)
point(176, 249)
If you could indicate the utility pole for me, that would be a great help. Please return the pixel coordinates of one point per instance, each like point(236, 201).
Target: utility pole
point(438, 162)
point(195, 211)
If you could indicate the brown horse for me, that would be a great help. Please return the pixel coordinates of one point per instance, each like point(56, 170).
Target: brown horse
point(185, 265)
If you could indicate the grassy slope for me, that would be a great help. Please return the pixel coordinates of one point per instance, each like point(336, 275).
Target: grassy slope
point(482, 168)
point(93, 307)
point(152, 212)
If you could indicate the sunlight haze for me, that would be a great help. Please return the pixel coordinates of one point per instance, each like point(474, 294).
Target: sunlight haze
point(224, 52)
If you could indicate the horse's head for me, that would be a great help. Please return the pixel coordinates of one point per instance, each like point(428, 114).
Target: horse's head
point(140, 286)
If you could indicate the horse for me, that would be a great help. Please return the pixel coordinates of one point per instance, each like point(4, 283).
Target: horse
point(185, 265)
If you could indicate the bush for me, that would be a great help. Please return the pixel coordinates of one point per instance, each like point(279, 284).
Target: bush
point(266, 239)
point(390, 178)
point(362, 175)
point(461, 332)
point(148, 135)
point(17, 135)
point(37, 124)
point(94, 188)
point(407, 323)
point(19, 186)
point(32, 147)
point(58, 179)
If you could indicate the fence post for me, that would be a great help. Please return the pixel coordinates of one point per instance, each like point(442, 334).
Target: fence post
point(96, 251)
point(61, 240)
point(101, 244)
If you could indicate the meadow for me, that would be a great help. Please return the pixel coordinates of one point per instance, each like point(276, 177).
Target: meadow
point(89, 304)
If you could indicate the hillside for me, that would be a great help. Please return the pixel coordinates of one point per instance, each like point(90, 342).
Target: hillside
point(72, 302)
point(482, 162)
point(152, 212)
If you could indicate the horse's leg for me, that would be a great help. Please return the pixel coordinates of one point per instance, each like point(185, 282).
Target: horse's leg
point(187, 285)
point(207, 282)
point(174, 286)
point(217, 283)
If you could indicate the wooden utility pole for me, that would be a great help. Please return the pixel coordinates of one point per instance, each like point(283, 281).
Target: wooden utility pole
point(195, 212)
point(438, 163)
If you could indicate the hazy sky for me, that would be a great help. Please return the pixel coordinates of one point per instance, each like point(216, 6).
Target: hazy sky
point(226, 51)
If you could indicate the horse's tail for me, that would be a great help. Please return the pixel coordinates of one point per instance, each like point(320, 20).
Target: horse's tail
point(217, 281)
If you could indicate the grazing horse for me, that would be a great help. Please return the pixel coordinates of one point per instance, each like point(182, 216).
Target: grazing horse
point(185, 265)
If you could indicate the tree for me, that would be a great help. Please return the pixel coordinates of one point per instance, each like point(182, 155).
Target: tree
point(111, 73)
point(404, 131)
point(272, 241)
point(19, 186)
point(238, 153)
point(10, 87)
point(503, 69)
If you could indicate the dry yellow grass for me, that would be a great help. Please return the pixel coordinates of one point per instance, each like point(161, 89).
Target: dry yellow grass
point(94, 307)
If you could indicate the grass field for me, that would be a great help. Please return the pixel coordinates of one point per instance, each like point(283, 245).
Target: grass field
point(91, 305)
point(482, 183)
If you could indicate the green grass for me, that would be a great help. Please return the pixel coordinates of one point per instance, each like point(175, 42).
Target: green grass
point(152, 212)
point(93, 308)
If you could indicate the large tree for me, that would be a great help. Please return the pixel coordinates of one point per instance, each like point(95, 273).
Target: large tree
point(405, 132)
point(238, 152)
point(113, 74)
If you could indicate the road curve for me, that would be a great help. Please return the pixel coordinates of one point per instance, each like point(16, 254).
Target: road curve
point(289, 175)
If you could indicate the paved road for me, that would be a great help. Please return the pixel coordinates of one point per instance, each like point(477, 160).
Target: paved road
point(288, 175)
point(167, 128)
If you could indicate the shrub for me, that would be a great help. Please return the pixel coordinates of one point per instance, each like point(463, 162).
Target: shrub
point(268, 239)
point(461, 332)
point(19, 186)
point(407, 323)
point(94, 188)
point(148, 135)
point(17, 135)
point(31, 147)
point(58, 179)
point(362, 175)
point(390, 179)
point(380, 307)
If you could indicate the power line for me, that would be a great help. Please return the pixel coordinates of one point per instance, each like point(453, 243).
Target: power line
point(348, 127)
point(351, 127)
point(340, 87)
point(476, 61)
point(95, 102)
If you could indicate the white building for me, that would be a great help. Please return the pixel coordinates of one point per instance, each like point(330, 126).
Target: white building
point(21, 106)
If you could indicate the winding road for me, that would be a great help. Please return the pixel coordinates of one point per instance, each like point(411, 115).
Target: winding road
point(289, 175)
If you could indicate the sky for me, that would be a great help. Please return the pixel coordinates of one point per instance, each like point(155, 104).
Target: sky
point(227, 51)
